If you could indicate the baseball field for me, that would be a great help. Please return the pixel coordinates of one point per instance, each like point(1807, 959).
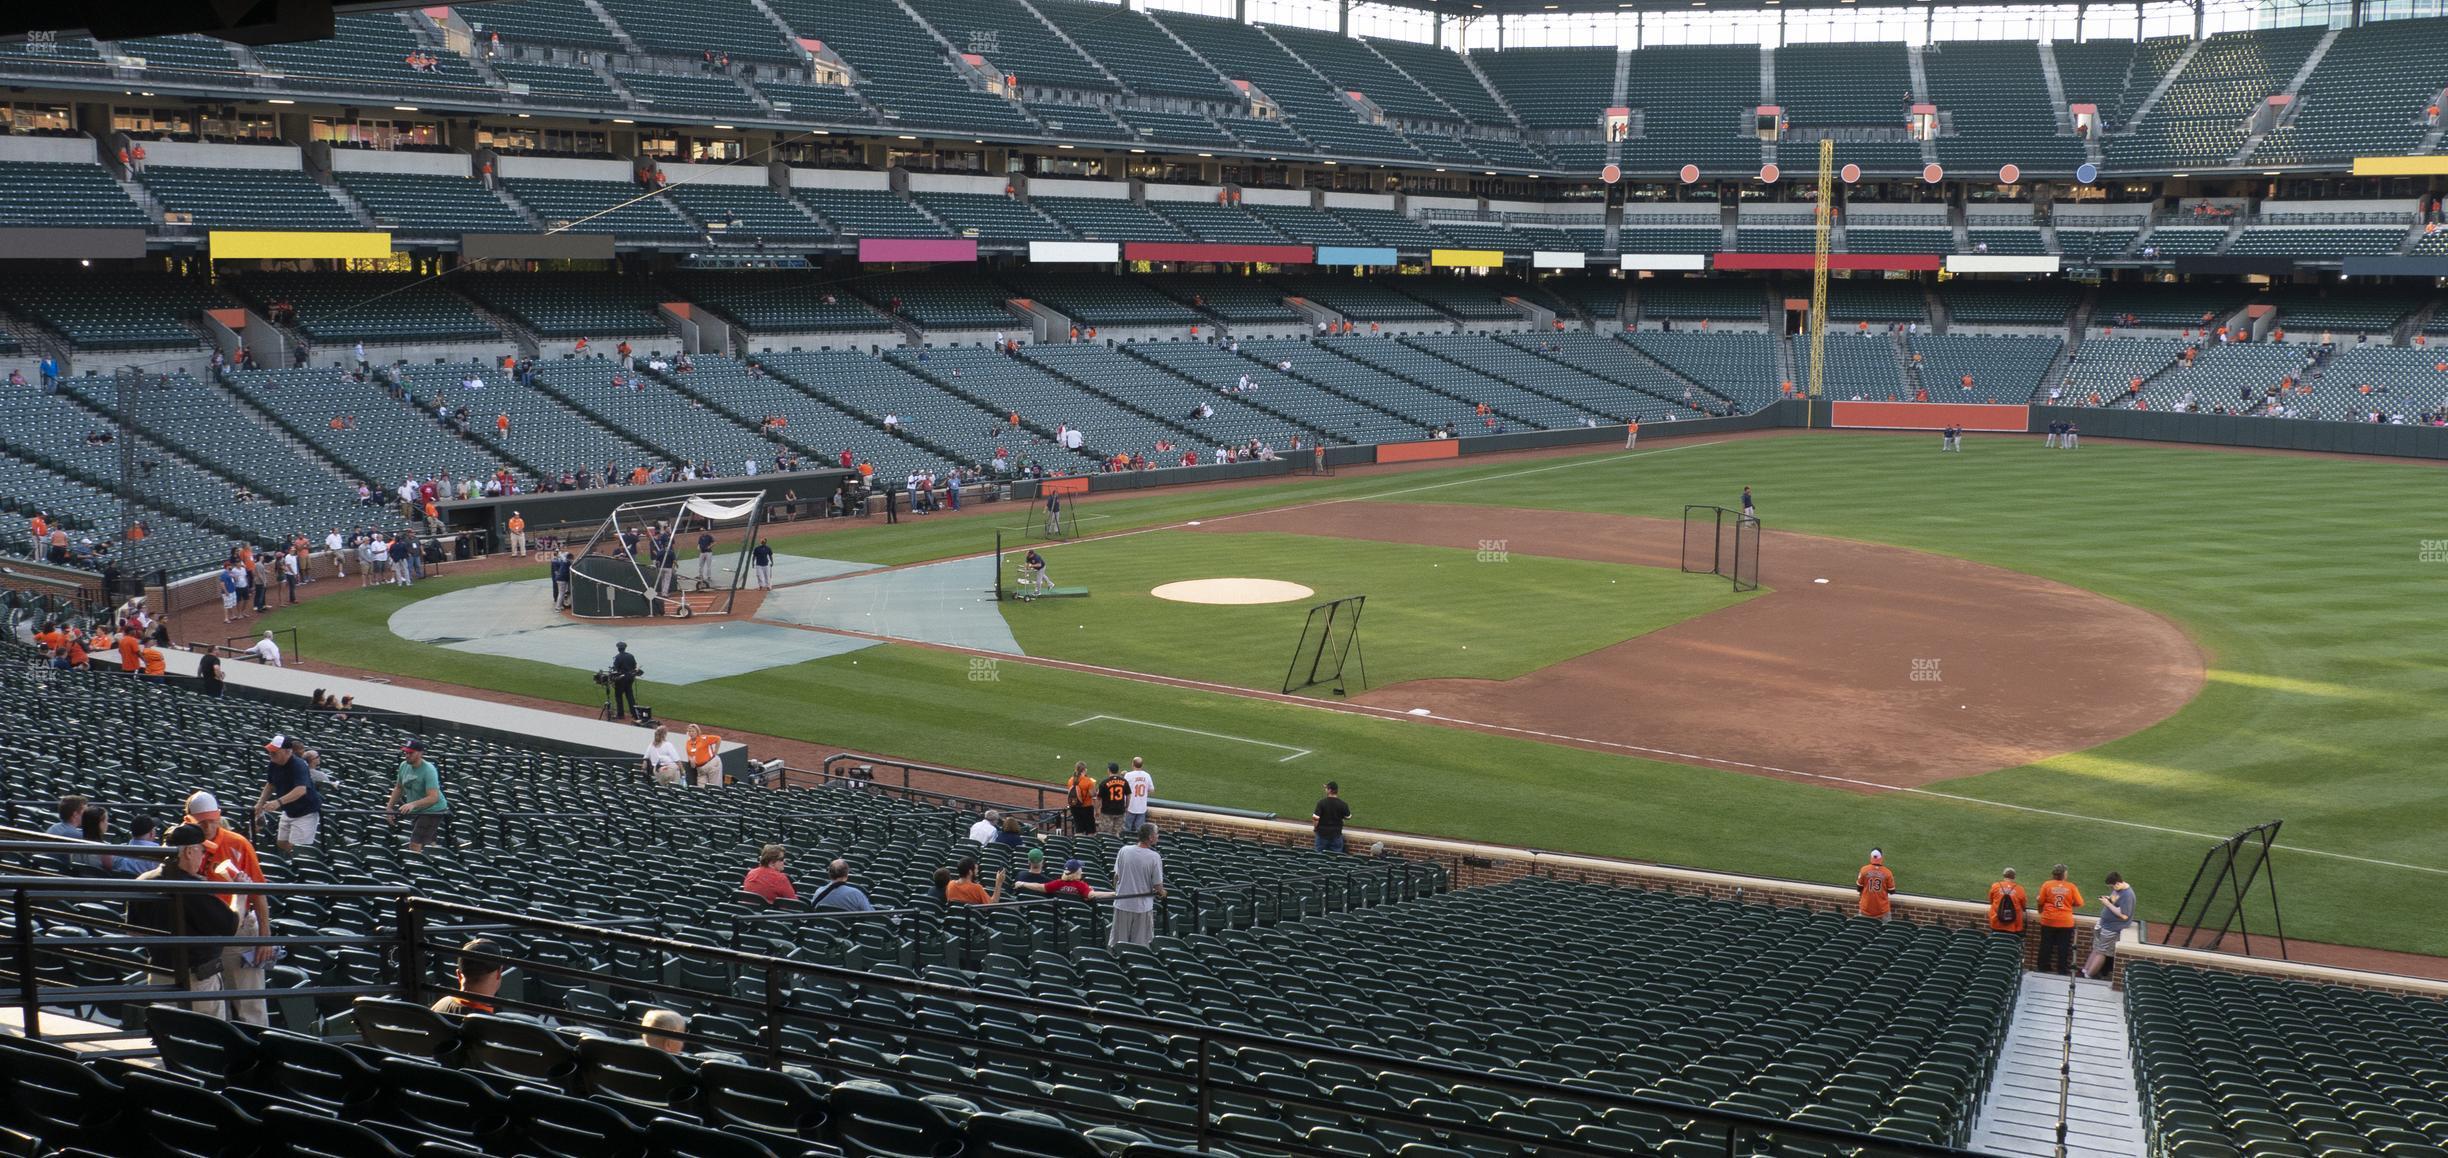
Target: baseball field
point(2018, 656)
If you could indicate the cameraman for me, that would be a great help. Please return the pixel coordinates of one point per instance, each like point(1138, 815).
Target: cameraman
point(624, 682)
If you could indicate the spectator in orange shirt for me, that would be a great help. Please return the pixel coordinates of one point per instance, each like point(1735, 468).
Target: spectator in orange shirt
point(155, 668)
point(2007, 903)
point(230, 857)
point(2058, 899)
point(131, 652)
point(963, 888)
point(1875, 883)
point(704, 755)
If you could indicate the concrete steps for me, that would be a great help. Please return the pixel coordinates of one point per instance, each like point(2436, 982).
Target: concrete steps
point(2064, 1086)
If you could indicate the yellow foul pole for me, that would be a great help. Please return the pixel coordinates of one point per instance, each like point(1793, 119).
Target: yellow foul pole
point(1819, 271)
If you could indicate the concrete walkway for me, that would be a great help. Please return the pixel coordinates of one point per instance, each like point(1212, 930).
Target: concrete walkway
point(2103, 1116)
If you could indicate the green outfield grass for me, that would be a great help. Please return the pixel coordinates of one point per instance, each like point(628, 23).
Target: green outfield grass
point(2301, 577)
point(1432, 613)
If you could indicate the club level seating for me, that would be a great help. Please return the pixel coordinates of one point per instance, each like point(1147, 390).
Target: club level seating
point(2167, 306)
point(1172, 128)
point(368, 53)
point(1339, 417)
point(1800, 157)
point(246, 198)
point(1104, 219)
point(689, 94)
point(1739, 366)
point(668, 424)
point(1872, 239)
point(869, 213)
point(1265, 134)
point(778, 301)
point(1331, 369)
point(112, 310)
point(735, 28)
point(1776, 239)
point(556, 83)
point(2005, 367)
point(832, 104)
point(2364, 98)
point(942, 299)
point(1102, 300)
point(2095, 243)
point(1361, 301)
point(2185, 240)
point(1997, 102)
point(1860, 366)
point(366, 307)
point(2019, 241)
point(1653, 393)
point(1502, 150)
point(2043, 302)
point(197, 59)
point(873, 388)
point(1230, 297)
point(50, 195)
point(1147, 386)
point(1086, 122)
point(1510, 404)
point(419, 202)
point(2351, 311)
point(1595, 296)
point(1670, 239)
point(902, 69)
point(1858, 299)
point(817, 427)
point(747, 212)
point(1472, 298)
point(615, 207)
point(1042, 400)
point(570, 23)
point(1006, 33)
point(384, 441)
point(1703, 299)
point(2318, 242)
point(568, 305)
point(2107, 366)
point(1208, 221)
point(546, 437)
point(990, 217)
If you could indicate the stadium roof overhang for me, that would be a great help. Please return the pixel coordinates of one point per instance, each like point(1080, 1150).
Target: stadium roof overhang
point(242, 21)
point(1473, 8)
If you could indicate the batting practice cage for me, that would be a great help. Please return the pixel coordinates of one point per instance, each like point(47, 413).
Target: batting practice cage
point(618, 576)
point(2236, 884)
point(1055, 514)
point(1717, 541)
point(1330, 639)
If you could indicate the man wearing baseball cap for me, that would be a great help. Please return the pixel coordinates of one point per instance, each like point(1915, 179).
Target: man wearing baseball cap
point(289, 790)
point(416, 793)
point(188, 914)
point(1072, 883)
point(229, 856)
point(1875, 883)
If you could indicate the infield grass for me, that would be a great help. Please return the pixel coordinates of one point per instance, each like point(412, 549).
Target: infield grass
point(2301, 577)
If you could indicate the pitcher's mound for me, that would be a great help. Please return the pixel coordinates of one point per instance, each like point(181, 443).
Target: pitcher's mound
point(1235, 591)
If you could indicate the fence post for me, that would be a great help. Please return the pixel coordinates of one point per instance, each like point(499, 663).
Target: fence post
point(29, 983)
point(412, 952)
point(773, 1015)
point(1206, 1097)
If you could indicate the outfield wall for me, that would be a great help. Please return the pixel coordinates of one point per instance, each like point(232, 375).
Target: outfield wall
point(2235, 430)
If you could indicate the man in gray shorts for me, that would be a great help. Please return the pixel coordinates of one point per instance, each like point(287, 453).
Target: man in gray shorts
point(2117, 913)
point(1138, 881)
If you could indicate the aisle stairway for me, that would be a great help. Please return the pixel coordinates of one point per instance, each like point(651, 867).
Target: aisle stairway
point(2101, 1115)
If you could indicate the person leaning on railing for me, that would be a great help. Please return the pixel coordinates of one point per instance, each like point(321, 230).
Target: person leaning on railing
point(191, 914)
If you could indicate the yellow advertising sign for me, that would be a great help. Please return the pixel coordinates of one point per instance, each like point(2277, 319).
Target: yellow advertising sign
point(1471, 258)
point(238, 244)
point(2401, 166)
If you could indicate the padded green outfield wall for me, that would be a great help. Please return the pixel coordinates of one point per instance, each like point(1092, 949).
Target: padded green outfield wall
point(2233, 430)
